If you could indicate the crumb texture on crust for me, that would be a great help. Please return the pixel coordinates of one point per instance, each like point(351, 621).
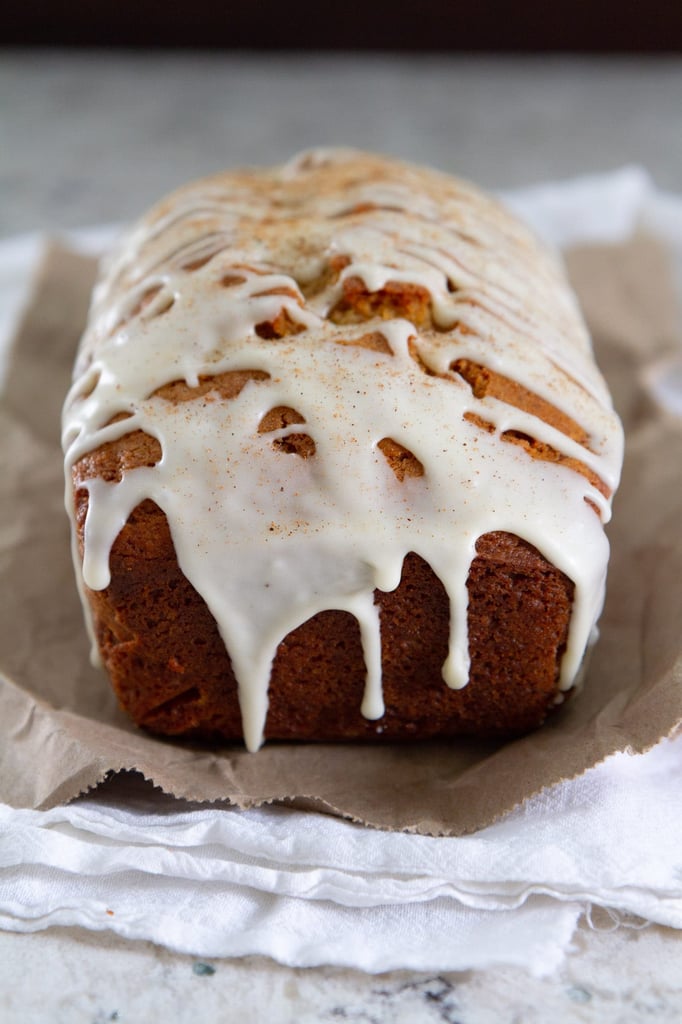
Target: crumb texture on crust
point(432, 559)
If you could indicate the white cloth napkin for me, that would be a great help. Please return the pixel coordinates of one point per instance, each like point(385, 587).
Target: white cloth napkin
point(310, 889)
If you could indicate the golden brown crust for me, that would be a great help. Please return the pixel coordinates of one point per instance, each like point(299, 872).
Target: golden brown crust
point(483, 381)
point(111, 460)
point(171, 672)
point(402, 461)
point(397, 299)
point(226, 385)
point(293, 444)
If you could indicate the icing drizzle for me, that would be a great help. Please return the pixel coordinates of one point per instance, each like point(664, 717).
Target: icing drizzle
point(268, 538)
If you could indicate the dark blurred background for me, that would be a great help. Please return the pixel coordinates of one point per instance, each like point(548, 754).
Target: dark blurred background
point(502, 26)
point(107, 104)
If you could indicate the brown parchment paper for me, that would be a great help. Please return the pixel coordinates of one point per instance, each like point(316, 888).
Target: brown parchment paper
point(60, 729)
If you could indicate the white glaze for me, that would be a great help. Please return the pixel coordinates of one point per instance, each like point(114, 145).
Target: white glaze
point(269, 539)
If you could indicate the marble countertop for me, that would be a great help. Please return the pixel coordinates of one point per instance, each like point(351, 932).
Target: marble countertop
point(67, 976)
point(95, 137)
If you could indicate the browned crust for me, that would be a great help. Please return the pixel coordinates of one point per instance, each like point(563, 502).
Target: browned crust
point(136, 448)
point(543, 451)
point(401, 460)
point(226, 385)
point(280, 326)
point(546, 452)
point(171, 672)
point(111, 460)
point(397, 299)
point(293, 444)
point(484, 382)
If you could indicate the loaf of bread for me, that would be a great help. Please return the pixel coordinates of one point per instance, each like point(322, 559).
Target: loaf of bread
point(338, 461)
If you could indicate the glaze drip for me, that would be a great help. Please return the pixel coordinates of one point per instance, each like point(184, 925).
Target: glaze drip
point(215, 280)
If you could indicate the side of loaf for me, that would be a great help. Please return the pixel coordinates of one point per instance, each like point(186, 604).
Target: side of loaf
point(338, 460)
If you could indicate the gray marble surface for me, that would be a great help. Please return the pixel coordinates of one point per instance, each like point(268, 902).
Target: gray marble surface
point(66, 976)
point(93, 138)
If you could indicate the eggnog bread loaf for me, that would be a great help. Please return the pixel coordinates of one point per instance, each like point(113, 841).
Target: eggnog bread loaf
point(338, 461)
